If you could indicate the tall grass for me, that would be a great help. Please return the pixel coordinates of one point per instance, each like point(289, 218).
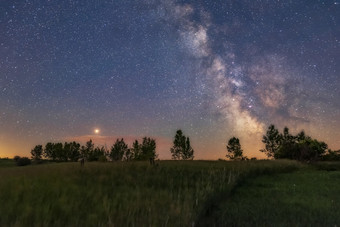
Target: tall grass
point(174, 193)
point(307, 197)
point(6, 162)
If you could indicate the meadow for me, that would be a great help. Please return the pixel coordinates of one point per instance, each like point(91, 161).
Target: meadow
point(172, 193)
point(306, 197)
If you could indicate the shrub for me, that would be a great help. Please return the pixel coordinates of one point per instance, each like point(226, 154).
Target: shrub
point(331, 156)
point(16, 158)
point(24, 161)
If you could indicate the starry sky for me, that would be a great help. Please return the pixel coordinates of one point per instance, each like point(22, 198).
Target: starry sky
point(214, 69)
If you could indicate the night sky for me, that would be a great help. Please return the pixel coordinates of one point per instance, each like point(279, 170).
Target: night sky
point(214, 69)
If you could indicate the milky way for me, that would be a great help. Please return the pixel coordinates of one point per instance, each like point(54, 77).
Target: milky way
point(215, 69)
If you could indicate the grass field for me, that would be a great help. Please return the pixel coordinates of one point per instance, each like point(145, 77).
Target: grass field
point(5, 162)
point(307, 197)
point(174, 193)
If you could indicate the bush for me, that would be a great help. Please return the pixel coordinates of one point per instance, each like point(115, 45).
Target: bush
point(24, 161)
point(16, 158)
point(331, 156)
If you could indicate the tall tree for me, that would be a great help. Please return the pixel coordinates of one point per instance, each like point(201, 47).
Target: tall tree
point(86, 150)
point(148, 148)
point(182, 148)
point(37, 152)
point(287, 138)
point(60, 152)
point(234, 149)
point(287, 148)
point(136, 150)
point(55, 152)
point(72, 151)
point(272, 141)
point(179, 143)
point(301, 136)
point(118, 150)
point(129, 155)
point(96, 153)
point(49, 151)
point(188, 152)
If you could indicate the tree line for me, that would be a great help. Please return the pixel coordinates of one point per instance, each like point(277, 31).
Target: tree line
point(277, 145)
point(73, 151)
point(119, 151)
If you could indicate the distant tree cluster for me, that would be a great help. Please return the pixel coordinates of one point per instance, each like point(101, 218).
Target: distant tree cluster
point(299, 147)
point(286, 146)
point(182, 149)
point(138, 151)
point(73, 151)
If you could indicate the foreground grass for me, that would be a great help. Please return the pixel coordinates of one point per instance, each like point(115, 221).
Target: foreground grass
point(121, 194)
point(308, 197)
point(5, 162)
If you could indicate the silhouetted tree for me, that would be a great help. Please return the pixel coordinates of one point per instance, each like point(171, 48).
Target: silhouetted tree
point(60, 152)
point(143, 151)
point(96, 153)
point(179, 143)
point(72, 151)
point(86, 150)
point(118, 150)
point(287, 138)
point(49, 151)
point(182, 148)
point(272, 141)
point(129, 155)
point(311, 149)
point(188, 152)
point(288, 146)
point(37, 152)
point(136, 150)
point(55, 152)
point(301, 136)
point(148, 148)
point(83, 153)
point(234, 149)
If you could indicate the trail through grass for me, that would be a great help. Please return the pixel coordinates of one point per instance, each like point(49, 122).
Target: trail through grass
point(307, 197)
point(175, 193)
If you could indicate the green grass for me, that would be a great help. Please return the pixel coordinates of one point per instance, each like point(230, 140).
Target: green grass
point(4, 162)
point(308, 197)
point(174, 193)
